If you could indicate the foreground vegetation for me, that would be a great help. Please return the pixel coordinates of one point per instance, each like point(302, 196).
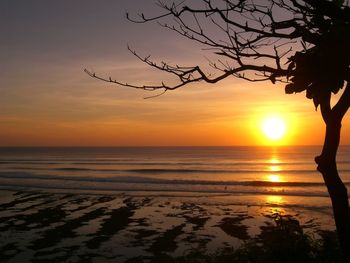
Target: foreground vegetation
point(284, 241)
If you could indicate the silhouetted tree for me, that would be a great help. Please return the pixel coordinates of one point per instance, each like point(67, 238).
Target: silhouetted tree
point(257, 41)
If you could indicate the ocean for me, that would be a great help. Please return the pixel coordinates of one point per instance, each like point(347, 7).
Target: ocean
point(283, 171)
point(132, 203)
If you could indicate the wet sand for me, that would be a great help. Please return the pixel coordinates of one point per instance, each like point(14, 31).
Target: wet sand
point(60, 227)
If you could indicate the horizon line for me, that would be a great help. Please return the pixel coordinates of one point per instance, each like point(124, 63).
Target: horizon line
point(158, 146)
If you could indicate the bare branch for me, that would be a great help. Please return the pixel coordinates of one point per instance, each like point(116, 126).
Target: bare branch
point(254, 43)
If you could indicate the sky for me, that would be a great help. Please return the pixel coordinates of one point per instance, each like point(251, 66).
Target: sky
point(47, 100)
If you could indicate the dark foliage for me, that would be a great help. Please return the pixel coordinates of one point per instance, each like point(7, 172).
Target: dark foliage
point(323, 68)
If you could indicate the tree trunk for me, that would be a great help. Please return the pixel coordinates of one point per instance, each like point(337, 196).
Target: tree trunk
point(327, 166)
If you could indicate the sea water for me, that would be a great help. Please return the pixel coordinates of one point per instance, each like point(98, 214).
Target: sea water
point(282, 171)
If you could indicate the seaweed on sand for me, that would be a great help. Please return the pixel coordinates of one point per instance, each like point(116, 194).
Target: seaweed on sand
point(166, 242)
point(118, 220)
point(233, 227)
point(55, 235)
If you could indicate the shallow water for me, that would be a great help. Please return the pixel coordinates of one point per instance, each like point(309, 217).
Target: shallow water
point(275, 171)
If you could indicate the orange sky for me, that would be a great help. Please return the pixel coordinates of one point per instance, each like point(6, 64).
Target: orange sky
point(47, 100)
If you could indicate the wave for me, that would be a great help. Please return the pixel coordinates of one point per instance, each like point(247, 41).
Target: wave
point(171, 170)
point(143, 162)
point(206, 171)
point(189, 190)
point(166, 192)
point(146, 180)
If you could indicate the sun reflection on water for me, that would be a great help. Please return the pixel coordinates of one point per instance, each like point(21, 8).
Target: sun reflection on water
point(276, 203)
point(274, 168)
point(274, 160)
point(274, 178)
point(274, 199)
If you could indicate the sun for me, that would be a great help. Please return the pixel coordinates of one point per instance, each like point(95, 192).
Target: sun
point(274, 128)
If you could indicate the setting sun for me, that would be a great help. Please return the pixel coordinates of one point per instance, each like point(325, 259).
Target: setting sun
point(274, 128)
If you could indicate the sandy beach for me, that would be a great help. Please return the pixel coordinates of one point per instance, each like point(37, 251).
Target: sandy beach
point(40, 226)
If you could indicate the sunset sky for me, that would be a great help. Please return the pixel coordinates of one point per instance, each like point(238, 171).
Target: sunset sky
point(47, 100)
